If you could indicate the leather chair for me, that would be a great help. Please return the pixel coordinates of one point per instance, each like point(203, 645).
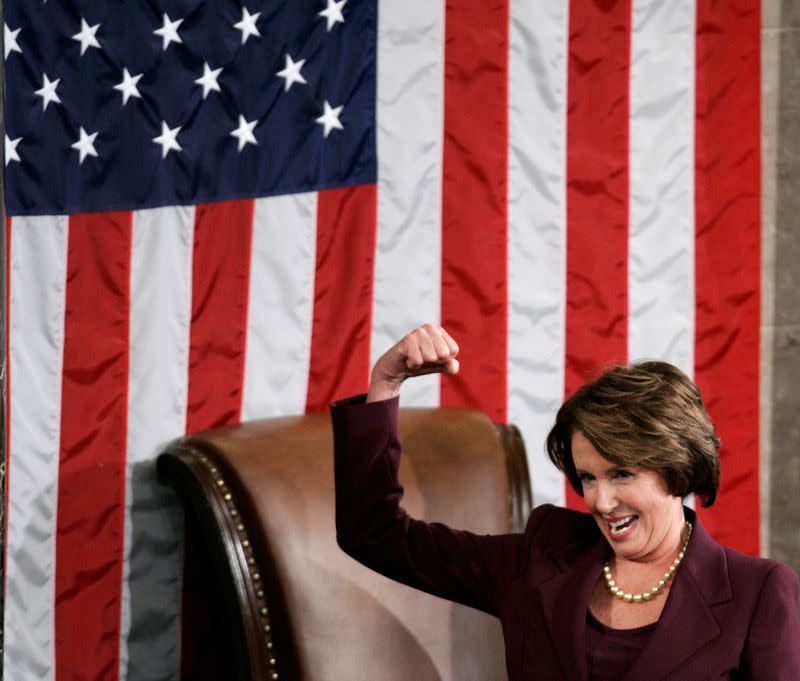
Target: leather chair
point(284, 602)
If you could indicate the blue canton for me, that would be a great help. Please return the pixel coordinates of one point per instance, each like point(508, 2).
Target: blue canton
point(127, 104)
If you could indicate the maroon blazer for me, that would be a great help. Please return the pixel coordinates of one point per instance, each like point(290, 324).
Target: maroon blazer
point(727, 615)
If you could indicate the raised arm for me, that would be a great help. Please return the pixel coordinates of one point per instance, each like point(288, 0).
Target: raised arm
point(371, 525)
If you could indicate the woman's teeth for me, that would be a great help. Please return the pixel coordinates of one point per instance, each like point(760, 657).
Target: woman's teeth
point(619, 526)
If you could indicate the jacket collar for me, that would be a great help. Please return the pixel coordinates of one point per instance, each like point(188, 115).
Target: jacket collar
point(686, 623)
point(565, 599)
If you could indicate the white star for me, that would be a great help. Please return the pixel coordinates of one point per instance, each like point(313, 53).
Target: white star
point(11, 150)
point(330, 119)
point(291, 73)
point(85, 145)
point(48, 92)
point(169, 31)
point(209, 80)
point(333, 13)
point(128, 86)
point(248, 25)
point(244, 133)
point(10, 40)
point(86, 36)
point(168, 139)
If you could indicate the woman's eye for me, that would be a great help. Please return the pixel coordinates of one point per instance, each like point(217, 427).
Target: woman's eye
point(624, 475)
point(585, 477)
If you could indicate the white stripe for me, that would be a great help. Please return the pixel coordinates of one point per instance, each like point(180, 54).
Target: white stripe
point(36, 345)
point(280, 306)
point(661, 249)
point(410, 131)
point(537, 230)
point(160, 313)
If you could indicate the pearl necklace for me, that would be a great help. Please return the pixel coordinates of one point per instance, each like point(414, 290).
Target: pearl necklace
point(647, 595)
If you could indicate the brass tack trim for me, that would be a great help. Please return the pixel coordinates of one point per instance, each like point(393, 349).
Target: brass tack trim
point(255, 575)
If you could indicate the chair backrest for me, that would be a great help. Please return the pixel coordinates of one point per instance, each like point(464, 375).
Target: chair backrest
point(287, 602)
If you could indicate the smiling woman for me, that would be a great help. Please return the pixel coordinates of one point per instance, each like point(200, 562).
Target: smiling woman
point(634, 590)
point(632, 506)
point(645, 526)
point(649, 415)
point(634, 443)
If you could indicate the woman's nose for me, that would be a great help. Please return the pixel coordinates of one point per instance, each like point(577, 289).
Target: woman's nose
point(606, 499)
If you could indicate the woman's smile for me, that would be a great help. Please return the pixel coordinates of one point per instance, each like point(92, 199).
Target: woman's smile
point(640, 519)
point(622, 528)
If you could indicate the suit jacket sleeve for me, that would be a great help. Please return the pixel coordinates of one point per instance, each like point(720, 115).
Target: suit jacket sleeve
point(772, 649)
point(372, 527)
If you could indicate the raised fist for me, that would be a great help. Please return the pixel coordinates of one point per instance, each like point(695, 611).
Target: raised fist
point(428, 349)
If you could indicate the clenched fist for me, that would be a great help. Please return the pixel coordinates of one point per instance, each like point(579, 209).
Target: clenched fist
point(428, 349)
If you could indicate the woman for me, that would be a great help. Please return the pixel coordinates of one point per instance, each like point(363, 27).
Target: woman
point(636, 590)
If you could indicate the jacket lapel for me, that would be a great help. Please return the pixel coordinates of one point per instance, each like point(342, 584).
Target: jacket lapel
point(687, 622)
point(565, 599)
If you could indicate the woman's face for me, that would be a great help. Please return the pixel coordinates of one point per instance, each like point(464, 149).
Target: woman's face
point(640, 519)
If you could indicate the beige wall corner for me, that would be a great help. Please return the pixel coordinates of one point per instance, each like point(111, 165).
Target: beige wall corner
point(780, 321)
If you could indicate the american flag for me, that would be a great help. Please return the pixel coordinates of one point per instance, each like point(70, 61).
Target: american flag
point(227, 209)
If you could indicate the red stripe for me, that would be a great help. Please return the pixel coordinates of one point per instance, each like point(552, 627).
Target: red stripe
point(91, 480)
point(220, 278)
point(728, 256)
point(339, 365)
point(218, 333)
point(474, 196)
point(597, 191)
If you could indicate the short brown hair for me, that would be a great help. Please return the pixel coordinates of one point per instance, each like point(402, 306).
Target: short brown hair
point(648, 414)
